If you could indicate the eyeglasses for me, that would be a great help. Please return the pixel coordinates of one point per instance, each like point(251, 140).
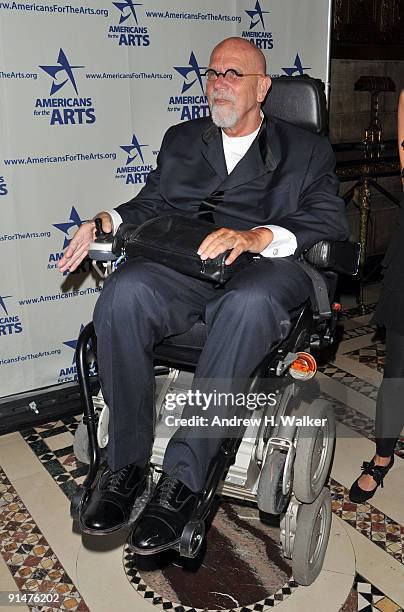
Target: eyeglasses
point(231, 75)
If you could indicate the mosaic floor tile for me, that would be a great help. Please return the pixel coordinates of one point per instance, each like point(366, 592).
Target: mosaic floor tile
point(64, 453)
point(356, 332)
point(61, 462)
point(28, 555)
point(352, 419)
point(367, 387)
point(55, 431)
point(373, 356)
point(59, 441)
point(369, 521)
point(371, 599)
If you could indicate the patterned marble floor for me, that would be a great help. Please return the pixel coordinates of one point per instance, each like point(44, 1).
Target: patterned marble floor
point(40, 552)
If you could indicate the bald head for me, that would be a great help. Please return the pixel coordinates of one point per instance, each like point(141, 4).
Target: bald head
point(236, 86)
point(254, 56)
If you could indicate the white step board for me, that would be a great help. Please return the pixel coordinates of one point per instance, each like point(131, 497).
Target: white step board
point(242, 477)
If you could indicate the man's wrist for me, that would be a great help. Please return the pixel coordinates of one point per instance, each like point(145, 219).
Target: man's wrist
point(265, 237)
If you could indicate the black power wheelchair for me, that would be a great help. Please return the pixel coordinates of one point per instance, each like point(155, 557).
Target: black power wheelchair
point(276, 466)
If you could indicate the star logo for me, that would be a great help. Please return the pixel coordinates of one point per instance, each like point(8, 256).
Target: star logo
point(2, 304)
point(72, 344)
point(296, 68)
point(74, 221)
point(257, 12)
point(62, 66)
point(123, 7)
point(191, 68)
point(133, 147)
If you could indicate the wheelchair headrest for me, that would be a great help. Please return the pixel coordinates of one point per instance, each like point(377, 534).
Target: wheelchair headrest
point(299, 100)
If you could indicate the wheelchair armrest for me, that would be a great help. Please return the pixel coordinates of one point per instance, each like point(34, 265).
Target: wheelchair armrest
point(342, 257)
point(123, 235)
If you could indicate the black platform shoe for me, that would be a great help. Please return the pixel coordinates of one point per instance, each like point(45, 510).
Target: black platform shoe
point(164, 518)
point(110, 505)
point(378, 472)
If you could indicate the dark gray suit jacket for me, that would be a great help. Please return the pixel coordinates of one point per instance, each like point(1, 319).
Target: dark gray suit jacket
point(286, 178)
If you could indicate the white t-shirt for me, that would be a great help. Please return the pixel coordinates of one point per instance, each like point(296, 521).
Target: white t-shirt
point(235, 147)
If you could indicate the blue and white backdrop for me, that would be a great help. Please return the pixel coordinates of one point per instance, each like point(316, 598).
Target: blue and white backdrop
point(86, 93)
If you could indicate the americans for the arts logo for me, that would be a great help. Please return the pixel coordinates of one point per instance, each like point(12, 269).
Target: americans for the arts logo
point(192, 103)
point(257, 32)
point(126, 29)
point(61, 107)
point(136, 170)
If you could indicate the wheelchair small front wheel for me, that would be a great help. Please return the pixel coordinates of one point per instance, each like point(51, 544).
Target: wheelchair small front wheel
point(311, 538)
point(81, 447)
point(192, 539)
point(314, 452)
point(270, 497)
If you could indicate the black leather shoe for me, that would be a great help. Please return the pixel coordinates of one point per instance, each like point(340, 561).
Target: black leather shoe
point(112, 499)
point(164, 518)
point(378, 472)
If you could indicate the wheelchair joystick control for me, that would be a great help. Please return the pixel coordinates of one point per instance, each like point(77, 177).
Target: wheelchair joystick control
point(99, 232)
point(101, 248)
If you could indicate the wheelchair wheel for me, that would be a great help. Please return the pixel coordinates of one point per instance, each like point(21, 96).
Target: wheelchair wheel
point(192, 539)
point(314, 452)
point(81, 447)
point(270, 497)
point(311, 538)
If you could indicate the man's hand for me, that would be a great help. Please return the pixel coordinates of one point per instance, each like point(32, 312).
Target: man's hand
point(224, 239)
point(80, 243)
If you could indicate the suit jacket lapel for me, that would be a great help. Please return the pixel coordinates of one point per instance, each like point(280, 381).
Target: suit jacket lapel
point(212, 150)
point(259, 159)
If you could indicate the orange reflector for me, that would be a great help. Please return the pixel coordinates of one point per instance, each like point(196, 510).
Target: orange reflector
point(304, 367)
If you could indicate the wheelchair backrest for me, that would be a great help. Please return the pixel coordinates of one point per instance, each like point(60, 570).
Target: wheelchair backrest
point(299, 100)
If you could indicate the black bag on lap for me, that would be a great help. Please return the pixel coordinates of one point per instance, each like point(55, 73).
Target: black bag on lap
point(173, 240)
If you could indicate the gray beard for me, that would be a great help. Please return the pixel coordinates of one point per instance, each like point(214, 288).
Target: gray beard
point(222, 117)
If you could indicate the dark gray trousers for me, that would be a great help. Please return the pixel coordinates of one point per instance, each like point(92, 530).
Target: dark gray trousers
point(144, 302)
point(389, 405)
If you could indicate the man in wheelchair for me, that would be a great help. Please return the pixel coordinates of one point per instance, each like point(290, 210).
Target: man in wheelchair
point(274, 193)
